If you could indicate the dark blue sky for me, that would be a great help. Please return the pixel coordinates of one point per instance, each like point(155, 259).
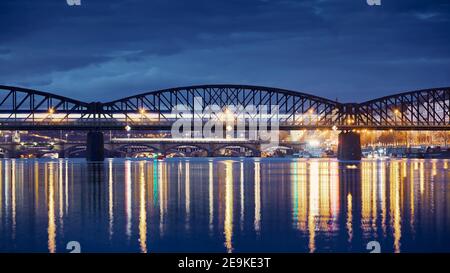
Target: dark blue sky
point(107, 49)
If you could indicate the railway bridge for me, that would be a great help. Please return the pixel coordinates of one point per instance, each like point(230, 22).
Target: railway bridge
point(27, 109)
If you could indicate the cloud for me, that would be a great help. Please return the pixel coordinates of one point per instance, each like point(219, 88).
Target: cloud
point(107, 49)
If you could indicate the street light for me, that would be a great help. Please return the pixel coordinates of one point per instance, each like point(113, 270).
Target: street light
point(51, 111)
point(142, 112)
point(128, 129)
point(396, 113)
point(311, 113)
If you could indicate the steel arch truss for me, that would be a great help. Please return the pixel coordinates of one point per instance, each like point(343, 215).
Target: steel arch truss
point(28, 109)
point(20, 107)
point(292, 108)
point(423, 109)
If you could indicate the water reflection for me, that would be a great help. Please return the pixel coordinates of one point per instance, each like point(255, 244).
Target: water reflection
point(224, 205)
point(142, 209)
point(51, 229)
point(228, 222)
point(257, 175)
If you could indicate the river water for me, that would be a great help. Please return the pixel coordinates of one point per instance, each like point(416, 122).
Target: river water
point(224, 205)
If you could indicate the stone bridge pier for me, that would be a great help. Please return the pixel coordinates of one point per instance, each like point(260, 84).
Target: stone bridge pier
point(95, 146)
point(349, 146)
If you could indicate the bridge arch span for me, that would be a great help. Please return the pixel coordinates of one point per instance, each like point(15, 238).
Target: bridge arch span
point(254, 149)
point(37, 108)
point(10, 90)
point(292, 105)
point(188, 145)
point(427, 108)
point(138, 147)
point(223, 89)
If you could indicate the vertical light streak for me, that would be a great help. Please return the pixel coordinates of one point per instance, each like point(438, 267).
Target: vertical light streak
point(395, 206)
point(294, 192)
point(349, 218)
point(374, 204)
point(150, 184)
point(187, 191)
point(228, 222)
point(404, 170)
point(162, 198)
point(257, 221)
point(36, 184)
point(324, 196)
point(66, 179)
point(433, 168)
point(110, 198)
point(128, 197)
point(242, 194)
point(334, 189)
point(422, 177)
point(142, 209)
point(366, 176)
point(412, 205)
point(60, 193)
point(13, 195)
point(302, 190)
point(51, 230)
point(1, 189)
point(382, 186)
point(155, 182)
point(211, 195)
point(7, 172)
point(313, 203)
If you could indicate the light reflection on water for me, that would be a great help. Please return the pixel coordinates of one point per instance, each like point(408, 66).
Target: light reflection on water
point(224, 205)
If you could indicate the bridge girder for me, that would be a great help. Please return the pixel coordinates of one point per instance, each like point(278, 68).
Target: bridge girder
point(26, 109)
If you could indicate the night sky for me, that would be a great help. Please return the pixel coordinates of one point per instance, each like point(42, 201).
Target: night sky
point(107, 49)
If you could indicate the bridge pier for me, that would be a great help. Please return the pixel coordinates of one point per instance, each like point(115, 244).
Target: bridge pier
point(95, 150)
point(349, 146)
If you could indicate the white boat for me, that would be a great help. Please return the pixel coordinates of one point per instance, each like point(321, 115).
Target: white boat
point(50, 155)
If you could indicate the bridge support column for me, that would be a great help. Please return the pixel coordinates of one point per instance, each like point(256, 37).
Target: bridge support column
point(95, 150)
point(349, 147)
